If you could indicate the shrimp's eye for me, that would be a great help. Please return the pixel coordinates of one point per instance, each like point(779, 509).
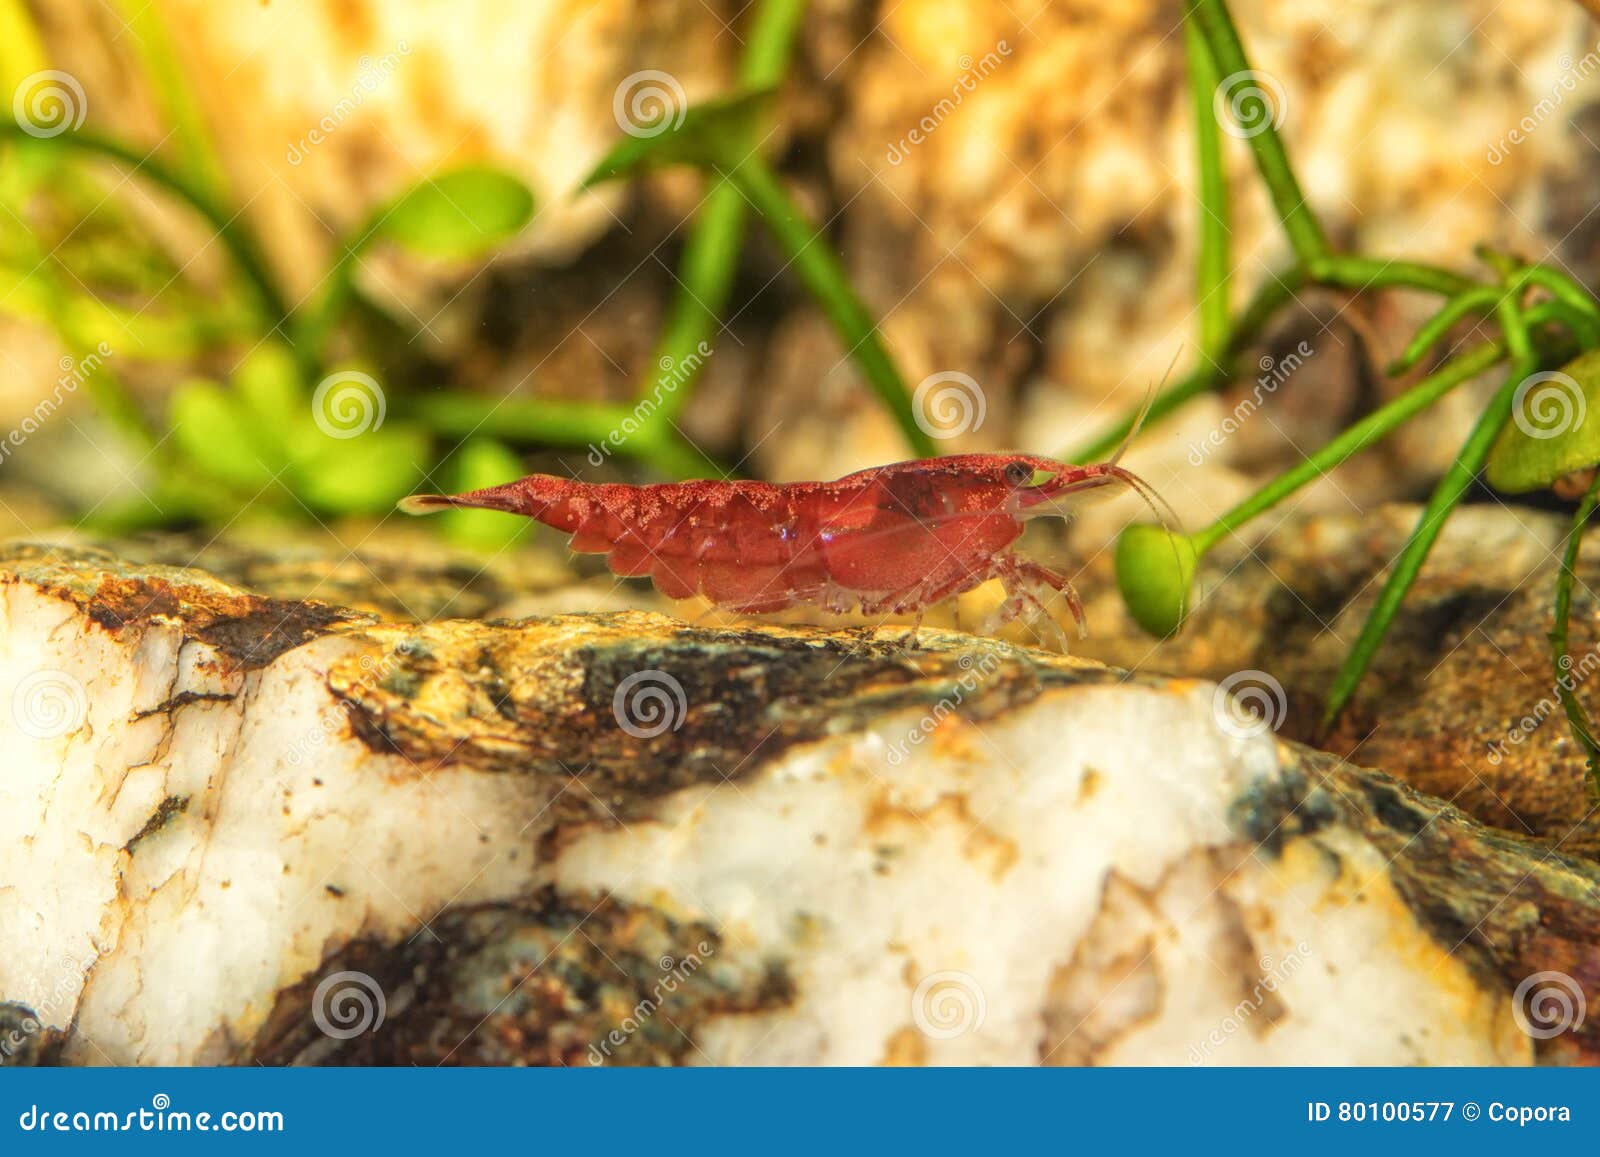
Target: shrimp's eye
point(1018, 474)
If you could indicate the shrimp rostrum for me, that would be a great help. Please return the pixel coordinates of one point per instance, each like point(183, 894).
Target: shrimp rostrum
point(889, 540)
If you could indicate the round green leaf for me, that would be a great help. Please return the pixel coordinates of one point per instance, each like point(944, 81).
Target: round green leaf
point(268, 383)
point(216, 432)
point(458, 213)
point(1554, 428)
point(1155, 571)
point(364, 475)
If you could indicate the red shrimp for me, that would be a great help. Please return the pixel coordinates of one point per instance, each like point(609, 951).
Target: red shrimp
point(891, 539)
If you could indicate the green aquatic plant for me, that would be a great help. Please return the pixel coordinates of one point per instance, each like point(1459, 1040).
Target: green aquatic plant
point(1542, 315)
point(703, 284)
point(266, 436)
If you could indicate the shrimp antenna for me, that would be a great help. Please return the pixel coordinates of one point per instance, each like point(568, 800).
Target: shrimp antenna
point(1144, 410)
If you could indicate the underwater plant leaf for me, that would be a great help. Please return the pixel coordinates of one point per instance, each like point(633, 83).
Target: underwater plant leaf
point(268, 383)
point(1554, 428)
point(458, 213)
point(712, 134)
point(217, 432)
point(362, 475)
point(483, 462)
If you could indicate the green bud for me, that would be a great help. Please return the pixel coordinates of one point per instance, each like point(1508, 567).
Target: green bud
point(1155, 571)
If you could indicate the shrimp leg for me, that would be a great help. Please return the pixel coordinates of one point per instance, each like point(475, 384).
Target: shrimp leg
point(1023, 579)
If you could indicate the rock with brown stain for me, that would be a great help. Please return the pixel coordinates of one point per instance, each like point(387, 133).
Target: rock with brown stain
point(240, 827)
point(1461, 700)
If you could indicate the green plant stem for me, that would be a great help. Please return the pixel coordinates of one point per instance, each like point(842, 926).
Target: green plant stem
point(1228, 56)
point(1368, 430)
point(1560, 652)
point(1444, 499)
point(240, 246)
point(1353, 440)
point(1353, 272)
point(1482, 299)
point(1202, 379)
point(820, 271)
point(1584, 328)
point(1212, 266)
point(552, 420)
point(1558, 285)
point(711, 252)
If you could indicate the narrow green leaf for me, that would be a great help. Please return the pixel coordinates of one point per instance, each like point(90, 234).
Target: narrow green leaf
point(1212, 266)
point(1299, 221)
point(713, 134)
point(812, 260)
point(180, 106)
point(1446, 496)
